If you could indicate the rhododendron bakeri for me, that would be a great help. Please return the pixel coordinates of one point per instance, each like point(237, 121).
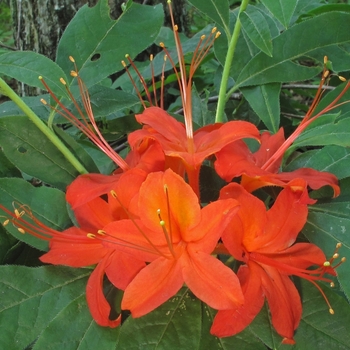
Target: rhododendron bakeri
point(264, 241)
point(176, 237)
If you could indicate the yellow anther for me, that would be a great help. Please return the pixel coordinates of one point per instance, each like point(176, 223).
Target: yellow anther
point(162, 223)
point(124, 64)
point(91, 235)
point(161, 44)
point(331, 311)
point(73, 73)
point(43, 101)
point(176, 28)
point(63, 81)
point(114, 194)
point(325, 59)
point(5, 222)
point(325, 74)
point(40, 77)
point(335, 256)
point(341, 78)
point(338, 245)
point(21, 230)
point(332, 284)
point(158, 211)
point(18, 214)
point(71, 59)
point(151, 57)
point(101, 232)
point(203, 37)
point(165, 57)
point(213, 30)
point(127, 55)
point(217, 35)
point(326, 264)
point(343, 259)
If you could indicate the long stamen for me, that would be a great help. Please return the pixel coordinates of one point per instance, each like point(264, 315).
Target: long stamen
point(95, 136)
point(166, 234)
point(308, 119)
point(310, 275)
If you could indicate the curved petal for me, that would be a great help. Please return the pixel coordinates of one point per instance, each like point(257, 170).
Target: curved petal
point(284, 302)
point(164, 124)
point(152, 286)
point(93, 215)
point(230, 322)
point(89, 186)
point(166, 196)
point(285, 220)
point(211, 281)
point(122, 269)
point(314, 178)
point(73, 248)
point(214, 219)
point(98, 305)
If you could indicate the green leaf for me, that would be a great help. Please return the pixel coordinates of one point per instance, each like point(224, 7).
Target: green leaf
point(174, 325)
point(6, 243)
point(107, 41)
point(48, 205)
point(7, 169)
point(264, 99)
point(334, 159)
point(286, 49)
point(257, 29)
point(217, 10)
point(77, 150)
point(328, 223)
point(318, 329)
point(32, 297)
point(86, 335)
point(326, 130)
point(33, 153)
point(281, 9)
point(27, 66)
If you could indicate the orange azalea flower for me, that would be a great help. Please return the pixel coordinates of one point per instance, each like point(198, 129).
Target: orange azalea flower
point(261, 168)
point(74, 247)
point(263, 240)
point(176, 237)
point(236, 159)
point(188, 151)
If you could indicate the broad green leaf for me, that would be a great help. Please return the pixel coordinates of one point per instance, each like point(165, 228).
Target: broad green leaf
point(27, 66)
point(217, 10)
point(328, 223)
point(48, 205)
point(334, 159)
point(85, 335)
point(7, 169)
point(264, 99)
point(6, 243)
point(107, 41)
point(282, 9)
point(33, 153)
point(326, 130)
point(257, 29)
point(9, 108)
point(281, 67)
point(77, 150)
point(318, 329)
point(32, 297)
point(174, 325)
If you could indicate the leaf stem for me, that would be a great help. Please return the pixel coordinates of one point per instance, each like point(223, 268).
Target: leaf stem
point(7, 91)
point(219, 118)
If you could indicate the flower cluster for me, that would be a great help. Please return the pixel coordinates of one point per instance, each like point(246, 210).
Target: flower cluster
point(145, 228)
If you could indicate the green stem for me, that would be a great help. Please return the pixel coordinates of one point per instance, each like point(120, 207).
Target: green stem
point(7, 91)
point(228, 62)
